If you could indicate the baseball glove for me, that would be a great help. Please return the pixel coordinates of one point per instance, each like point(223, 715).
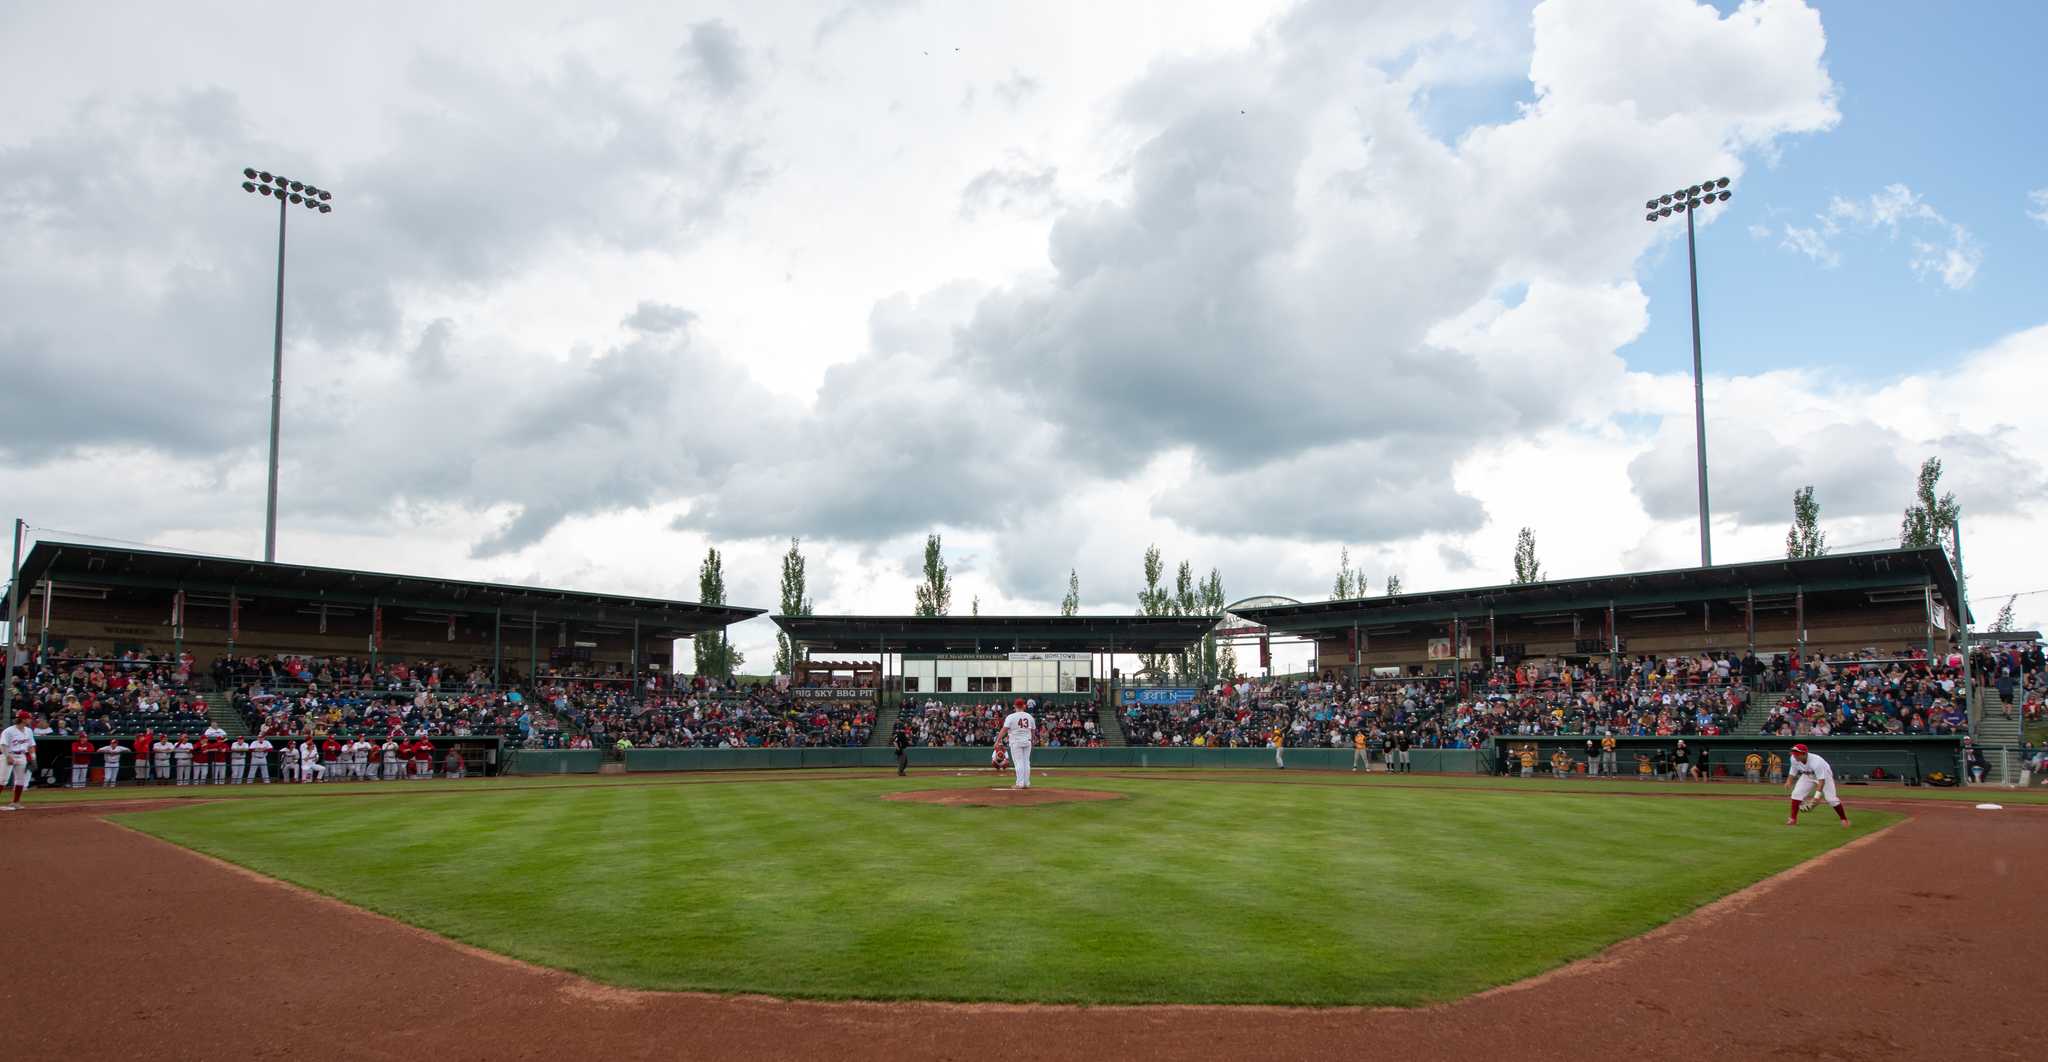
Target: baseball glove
point(1812, 801)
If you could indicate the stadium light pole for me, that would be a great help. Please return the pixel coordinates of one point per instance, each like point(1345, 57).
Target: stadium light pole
point(288, 193)
point(1688, 201)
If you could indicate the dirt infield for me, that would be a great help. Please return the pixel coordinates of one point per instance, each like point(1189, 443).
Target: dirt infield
point(999, 797)
point(1915, 941)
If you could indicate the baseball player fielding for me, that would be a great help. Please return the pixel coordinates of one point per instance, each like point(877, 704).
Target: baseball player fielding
point(1813, 779)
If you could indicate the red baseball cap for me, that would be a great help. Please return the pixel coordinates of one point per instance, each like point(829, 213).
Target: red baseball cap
point(1800, 749)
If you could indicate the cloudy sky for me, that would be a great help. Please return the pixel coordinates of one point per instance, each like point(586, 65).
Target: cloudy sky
point(607, 283)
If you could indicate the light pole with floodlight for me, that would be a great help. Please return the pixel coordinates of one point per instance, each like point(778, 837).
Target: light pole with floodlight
point(293, 193)
point(1688, 201)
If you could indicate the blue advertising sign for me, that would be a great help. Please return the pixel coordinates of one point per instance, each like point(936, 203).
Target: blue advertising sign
point(1158, 695)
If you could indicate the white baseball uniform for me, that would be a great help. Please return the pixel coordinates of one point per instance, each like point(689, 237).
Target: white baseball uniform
point(16, 742)
point(1019, 728)
point(259, 760)
point(1814, 774)
point(112, 759)
point(238, 761)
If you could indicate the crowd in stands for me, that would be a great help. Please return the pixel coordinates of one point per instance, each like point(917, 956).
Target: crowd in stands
point(1871, 692)
point(353, 711)
point(1901, 692)
point(2019, 674)
point(352, 673)
point(937, 723)
point(705, 715)
point(91, 693)
point(1897, 691)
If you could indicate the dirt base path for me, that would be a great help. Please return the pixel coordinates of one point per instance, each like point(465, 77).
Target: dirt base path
point(998, 797)
point(121, 946)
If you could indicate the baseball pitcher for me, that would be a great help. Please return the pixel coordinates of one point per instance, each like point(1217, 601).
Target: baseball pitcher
point(1018, 730)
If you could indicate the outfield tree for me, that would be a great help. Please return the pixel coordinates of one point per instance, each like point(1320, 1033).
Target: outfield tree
point(1185, 602)
point(1805, 539)
point(795, 602)
point(1930, 520)
point(716, 658)
point(1527, 569)
point(2004, 622)
point(1070, 605)
point(1211, 604)
point(1393, 586)
point(1350, 582)
point(1152, 601)
point(935, 594)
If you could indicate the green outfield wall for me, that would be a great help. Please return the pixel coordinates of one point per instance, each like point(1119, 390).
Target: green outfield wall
point(1461, 761)
point(1854, 758)
point(553, 761)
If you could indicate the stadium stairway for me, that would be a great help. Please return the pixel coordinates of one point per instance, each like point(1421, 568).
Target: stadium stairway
point(1752, 722)
point(223, 715)
point(1995, 733)
point(885, 725)
point(1111, 728)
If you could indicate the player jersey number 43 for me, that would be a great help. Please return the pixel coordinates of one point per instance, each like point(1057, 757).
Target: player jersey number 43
point(1021, 727)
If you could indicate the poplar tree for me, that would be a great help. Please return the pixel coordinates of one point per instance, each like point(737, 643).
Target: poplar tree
point(935, 594)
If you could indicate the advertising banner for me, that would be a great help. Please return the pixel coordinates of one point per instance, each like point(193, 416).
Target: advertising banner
point(1063, 658)
point(1158, 695)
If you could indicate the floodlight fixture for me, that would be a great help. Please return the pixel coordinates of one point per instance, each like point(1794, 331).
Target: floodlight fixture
point(1687, 201)
point(296, 193)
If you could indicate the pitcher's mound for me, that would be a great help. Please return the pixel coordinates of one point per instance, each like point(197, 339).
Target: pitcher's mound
point(1004, 797)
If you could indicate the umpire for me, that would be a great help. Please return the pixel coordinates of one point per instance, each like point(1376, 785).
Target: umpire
point(902, 744)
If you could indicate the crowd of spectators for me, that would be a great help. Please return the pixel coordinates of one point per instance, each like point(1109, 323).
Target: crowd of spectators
point(1873, 692)
point(311, 710)
point(712, 716)
point(280, 672)
point(2018, 672)
point(96, 694)
point(937, 723)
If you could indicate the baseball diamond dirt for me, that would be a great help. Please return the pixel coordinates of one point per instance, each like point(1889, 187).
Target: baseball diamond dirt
point(1002, 797)
point(1909, 942)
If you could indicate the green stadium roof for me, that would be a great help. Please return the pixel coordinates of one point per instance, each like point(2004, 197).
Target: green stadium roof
point(77, 563)
point(1840, 571)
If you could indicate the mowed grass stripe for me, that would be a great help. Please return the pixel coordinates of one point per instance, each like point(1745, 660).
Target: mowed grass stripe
point(1185, 892)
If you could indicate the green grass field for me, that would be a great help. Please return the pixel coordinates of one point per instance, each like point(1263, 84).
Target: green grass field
point(1188, 891)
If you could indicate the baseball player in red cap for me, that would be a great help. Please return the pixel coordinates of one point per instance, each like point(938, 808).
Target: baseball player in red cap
point(1811, 774)
point(17, 757)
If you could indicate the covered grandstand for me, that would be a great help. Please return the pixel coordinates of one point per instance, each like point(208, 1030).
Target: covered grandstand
point(1839, 604)
point(116, 600)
